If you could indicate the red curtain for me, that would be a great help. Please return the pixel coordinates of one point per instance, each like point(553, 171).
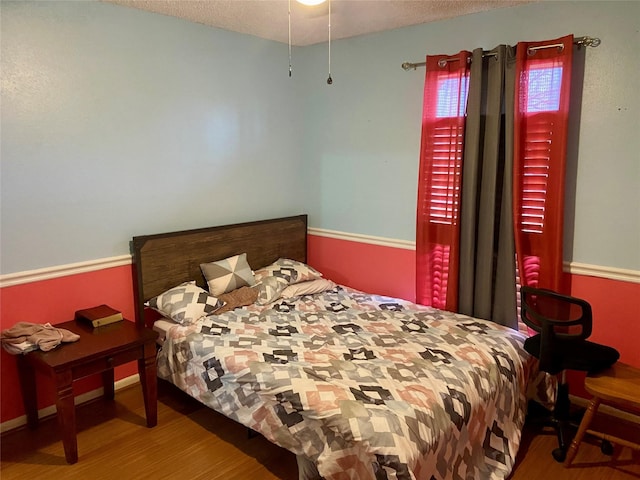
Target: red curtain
point(541, 112)
point(543, 78)
point(440, 176)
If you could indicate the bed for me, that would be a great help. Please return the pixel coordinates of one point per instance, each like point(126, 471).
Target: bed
point(358, 386)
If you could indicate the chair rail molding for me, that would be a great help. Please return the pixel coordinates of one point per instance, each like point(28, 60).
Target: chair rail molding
point(47, 273)
point(28, 276)
point(575, 268)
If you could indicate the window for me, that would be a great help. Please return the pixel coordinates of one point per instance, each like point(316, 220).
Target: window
point(452, 96)
point(543, 89)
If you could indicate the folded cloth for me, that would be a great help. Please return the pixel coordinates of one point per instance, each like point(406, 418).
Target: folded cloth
point(18, 348)
point(24, 336)
point(237, 298)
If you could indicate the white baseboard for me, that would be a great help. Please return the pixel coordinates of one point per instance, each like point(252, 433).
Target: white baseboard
point(80, 399)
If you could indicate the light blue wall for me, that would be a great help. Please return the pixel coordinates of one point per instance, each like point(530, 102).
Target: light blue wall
point(363, 132)
point(118, 122)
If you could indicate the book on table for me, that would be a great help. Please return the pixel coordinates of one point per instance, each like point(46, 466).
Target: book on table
point(99, 315)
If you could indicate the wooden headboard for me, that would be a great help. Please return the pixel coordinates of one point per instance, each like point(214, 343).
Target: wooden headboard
point(165, 260)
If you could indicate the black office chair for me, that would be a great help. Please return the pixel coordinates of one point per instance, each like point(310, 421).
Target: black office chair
point(563, 324)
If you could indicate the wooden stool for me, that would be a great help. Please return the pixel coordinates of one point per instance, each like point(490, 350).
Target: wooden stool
point(618, 386)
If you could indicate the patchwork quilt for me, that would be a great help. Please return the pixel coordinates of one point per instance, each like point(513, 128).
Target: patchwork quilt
point(366, 387)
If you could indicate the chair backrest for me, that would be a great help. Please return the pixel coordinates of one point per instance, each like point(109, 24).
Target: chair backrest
point(548, 312)
point(564, 324)
point(561, 321)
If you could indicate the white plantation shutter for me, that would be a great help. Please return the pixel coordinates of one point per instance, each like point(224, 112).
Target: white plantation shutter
point(446, 168)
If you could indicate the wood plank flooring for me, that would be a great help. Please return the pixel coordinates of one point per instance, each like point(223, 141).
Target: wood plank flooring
point(193, 442)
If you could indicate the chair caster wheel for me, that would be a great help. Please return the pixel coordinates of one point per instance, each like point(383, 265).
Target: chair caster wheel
point(559, 455)
point(606, 447)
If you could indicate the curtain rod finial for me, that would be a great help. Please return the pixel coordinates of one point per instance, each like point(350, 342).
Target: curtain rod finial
point(593, 41)
point(588, 41)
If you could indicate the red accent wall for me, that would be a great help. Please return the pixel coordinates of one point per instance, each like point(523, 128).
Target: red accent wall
point(370, 268)
point(616, 313)
point(377, 269)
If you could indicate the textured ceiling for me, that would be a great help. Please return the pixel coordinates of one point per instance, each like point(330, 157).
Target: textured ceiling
point(309, 25)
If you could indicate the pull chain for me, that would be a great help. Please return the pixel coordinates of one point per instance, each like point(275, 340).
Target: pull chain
point(329, 80)
point(289, 38)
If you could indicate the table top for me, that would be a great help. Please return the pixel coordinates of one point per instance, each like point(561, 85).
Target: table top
point(620, 383)
point(93, 343)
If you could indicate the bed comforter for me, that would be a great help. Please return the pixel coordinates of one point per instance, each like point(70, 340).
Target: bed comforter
point(367, 387)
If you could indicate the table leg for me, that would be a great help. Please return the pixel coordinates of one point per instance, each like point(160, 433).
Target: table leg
point(27, 377)
point(149, 382)
point(582, 429)
point(108, 384)
point(67, 414)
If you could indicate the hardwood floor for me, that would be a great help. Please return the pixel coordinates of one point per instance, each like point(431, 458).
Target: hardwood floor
point(193, 442)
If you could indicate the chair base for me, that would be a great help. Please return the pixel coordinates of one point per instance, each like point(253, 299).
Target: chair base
point(565, 419)
point(559, 454)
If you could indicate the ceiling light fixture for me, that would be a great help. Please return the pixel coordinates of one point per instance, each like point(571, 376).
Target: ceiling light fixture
point(311, 3)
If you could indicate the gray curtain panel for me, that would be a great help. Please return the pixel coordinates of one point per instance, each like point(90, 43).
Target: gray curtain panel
point(487, 282)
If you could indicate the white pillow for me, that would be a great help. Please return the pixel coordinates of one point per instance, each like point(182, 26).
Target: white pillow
point(291, 271)
point(307, 288)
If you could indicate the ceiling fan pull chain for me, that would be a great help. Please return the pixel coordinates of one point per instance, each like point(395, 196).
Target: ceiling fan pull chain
point(289, 38)
point(329, 80)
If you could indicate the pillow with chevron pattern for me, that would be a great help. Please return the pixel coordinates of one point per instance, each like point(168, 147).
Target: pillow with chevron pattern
point(185, 303)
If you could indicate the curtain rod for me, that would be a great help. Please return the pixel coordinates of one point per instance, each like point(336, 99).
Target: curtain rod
point(580, 41)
